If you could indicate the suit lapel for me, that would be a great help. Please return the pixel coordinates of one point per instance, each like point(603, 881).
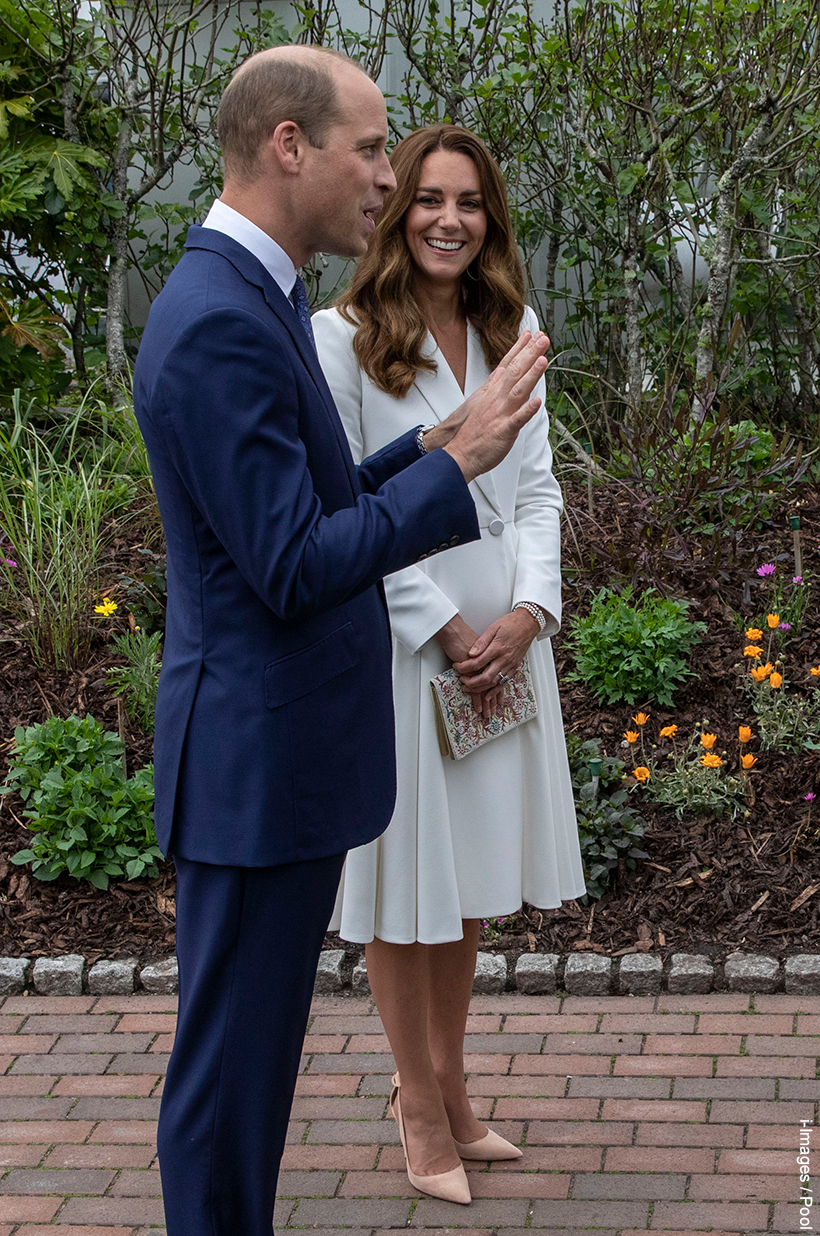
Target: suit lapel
point(254, 272)
point(442, 393)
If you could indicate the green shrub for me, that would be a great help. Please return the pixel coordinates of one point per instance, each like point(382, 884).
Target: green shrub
point(629, 654)
point(609, 830)
point(88, 819)
point(138, 680)
point(57, 505)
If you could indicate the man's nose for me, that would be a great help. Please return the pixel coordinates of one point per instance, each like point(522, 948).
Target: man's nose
point(385, 178)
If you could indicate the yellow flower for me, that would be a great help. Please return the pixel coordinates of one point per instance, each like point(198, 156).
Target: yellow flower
point(761, 672)
point(754, 633)
point(641, 718)
point(630, 736)
point(744, 733)
point(710, 760)
point(669, 731)
point(752, 650)
point(815, 671)
point(775, 680)
point(642, 774)
point(773, 620)
point(748, 761)
point(107, 608)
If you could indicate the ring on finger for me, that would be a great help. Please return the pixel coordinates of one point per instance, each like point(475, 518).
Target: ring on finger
point(504, 680)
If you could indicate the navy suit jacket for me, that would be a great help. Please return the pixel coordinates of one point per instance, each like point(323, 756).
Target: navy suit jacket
point(274, 735)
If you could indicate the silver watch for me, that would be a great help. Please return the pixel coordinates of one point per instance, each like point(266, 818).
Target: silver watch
point(420, 432)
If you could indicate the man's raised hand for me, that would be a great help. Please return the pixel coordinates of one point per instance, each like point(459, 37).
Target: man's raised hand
point(482, 430)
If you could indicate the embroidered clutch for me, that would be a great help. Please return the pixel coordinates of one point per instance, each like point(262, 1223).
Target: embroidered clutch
point(461, 729)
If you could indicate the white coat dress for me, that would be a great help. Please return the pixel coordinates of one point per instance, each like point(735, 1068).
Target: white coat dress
point(469, 838)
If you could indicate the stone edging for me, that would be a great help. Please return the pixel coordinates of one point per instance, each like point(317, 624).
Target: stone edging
point(578, 974)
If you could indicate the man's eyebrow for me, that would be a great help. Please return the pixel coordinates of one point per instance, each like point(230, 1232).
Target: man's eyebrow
point(372, 140)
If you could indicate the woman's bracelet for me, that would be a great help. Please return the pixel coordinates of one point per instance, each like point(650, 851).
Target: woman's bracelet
point(535, 610)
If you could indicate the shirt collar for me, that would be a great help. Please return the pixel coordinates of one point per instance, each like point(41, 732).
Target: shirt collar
point(223, 218)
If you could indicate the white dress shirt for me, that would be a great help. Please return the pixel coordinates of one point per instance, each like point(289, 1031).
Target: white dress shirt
point(222, 218)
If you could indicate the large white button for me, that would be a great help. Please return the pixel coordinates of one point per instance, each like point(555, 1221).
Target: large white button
point(496, 527)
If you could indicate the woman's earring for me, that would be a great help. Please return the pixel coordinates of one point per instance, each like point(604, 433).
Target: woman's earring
point(470, 275)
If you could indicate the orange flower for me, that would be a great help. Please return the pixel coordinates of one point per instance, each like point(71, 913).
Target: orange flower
point(710, 760)
point(642, 774)
point(641, 718)
point(773, 620)
point(744, 733)
point(775, 680)
point(753, 650)
point(815, 671)
point(761, 672)
point(754, 633)
point(748, 761)
point(669, 731)
point(708, 741)
point(630, 736)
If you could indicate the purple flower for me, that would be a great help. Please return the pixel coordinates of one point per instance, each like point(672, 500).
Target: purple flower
point(766, 569)
point(809, 798)
point(9, 562)
point(797, 579)
point(785, 626)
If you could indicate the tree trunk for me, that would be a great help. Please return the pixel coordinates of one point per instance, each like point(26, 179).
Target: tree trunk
point(720, 268)
point(553, 253)
point(118, 255)
point(632, 306)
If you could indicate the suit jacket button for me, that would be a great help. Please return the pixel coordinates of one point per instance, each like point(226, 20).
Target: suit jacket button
point(444, 545)
point(496, 527)
point(454, 540)
point(421, 557)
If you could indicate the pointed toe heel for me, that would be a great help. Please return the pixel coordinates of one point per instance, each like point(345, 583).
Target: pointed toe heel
point(449, 1186)
point(489, 1147)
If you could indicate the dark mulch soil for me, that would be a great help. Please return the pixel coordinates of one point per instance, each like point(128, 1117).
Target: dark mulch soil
point(761, 890)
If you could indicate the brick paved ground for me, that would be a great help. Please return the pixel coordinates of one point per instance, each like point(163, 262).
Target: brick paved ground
point(675, 1114)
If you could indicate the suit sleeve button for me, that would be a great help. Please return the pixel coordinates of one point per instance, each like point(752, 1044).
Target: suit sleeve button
point(421, 557)
point(454, 540)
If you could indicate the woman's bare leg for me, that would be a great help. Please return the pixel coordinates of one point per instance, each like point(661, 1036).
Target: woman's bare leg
point(452, 968)
point(399, 976)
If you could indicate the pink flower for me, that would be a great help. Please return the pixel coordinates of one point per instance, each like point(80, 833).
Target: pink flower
point(809, 798)
point(784, 626)
point(766, 569)
point(797, 579)
point(10, 562)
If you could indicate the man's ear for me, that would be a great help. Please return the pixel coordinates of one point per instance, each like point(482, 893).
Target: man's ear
point(286, 145)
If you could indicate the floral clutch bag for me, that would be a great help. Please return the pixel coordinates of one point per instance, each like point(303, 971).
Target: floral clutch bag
point(461, 729)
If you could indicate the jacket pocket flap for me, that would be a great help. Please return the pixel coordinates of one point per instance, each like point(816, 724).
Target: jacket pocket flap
point(296, 675)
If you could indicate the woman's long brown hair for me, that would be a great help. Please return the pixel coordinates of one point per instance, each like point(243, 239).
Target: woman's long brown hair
point(379, 299)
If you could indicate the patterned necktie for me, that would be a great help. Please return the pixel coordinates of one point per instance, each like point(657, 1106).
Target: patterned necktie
point(299, 300)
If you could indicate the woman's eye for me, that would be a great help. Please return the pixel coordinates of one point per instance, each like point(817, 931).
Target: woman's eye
point(426, 201)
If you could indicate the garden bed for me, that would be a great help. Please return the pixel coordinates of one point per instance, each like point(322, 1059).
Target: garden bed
point(708, 885)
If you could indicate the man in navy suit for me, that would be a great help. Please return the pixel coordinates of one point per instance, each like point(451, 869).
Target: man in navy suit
point(274, 732)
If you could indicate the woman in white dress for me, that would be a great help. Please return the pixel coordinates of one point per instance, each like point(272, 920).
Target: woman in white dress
point(431, 309)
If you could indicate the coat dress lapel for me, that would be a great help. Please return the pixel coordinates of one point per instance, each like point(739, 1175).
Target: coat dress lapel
point(442, 394)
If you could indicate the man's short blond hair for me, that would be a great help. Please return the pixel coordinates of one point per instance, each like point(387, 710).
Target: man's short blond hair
point(267, 90)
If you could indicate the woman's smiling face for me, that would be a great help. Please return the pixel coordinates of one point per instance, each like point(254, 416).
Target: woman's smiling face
point(445, 226)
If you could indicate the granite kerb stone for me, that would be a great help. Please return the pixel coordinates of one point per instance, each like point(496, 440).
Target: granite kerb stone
point(340, 972)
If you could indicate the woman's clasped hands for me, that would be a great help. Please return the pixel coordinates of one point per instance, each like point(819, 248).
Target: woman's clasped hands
point(481, 660)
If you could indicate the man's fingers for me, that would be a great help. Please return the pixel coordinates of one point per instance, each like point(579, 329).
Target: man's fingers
point(519, 345)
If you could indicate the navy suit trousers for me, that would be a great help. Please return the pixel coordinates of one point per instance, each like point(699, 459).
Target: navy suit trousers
point(248, 940)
